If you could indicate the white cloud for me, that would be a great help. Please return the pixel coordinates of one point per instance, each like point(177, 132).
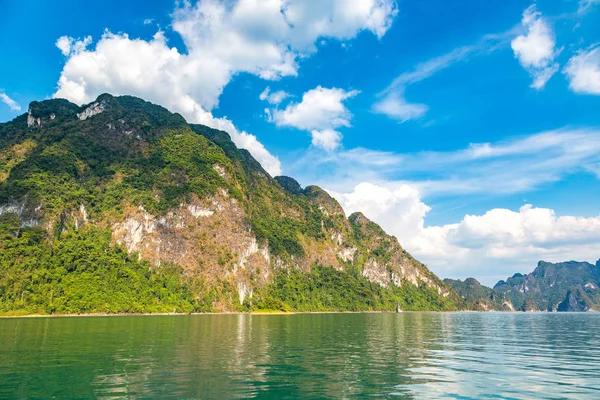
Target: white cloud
point(389, 189)
point(264, 38)
point(490, 247)
point(320, 108)
point(69, 46)
point(395, 106)
point(339, 19)
point(327, 139)
point(511, 166)
point(535, 50)
point(155, 72)
point(586, 5)
point(148, 21)
point(398, 210)
point(274, 98)
point(320, 112)
point(64, 44)
point(392, 101)
point(583, 71)
point(502, 242)
point(13, 105)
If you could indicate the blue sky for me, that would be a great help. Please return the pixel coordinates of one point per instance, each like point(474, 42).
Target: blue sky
point(468, 129)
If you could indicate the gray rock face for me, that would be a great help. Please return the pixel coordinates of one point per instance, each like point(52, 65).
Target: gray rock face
point(574, 302)
point(42, 113)
point(93, 109)
point(565, 286)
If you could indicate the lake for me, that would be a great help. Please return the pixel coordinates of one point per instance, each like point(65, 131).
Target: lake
point(406, 355)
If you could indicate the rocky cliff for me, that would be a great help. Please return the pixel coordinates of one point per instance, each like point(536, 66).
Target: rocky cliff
point(184, 199)
point(566, 286)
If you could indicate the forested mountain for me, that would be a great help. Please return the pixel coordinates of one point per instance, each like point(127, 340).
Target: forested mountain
point(566, 286)
point(122, 206)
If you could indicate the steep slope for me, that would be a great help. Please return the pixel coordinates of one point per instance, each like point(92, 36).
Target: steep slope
point(566, 286)
point(200, 219)
point(474, 292)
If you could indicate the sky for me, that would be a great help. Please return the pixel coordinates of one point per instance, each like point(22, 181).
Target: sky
point(470, 130)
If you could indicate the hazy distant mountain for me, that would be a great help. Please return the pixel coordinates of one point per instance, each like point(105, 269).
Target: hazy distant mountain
point(566, 286)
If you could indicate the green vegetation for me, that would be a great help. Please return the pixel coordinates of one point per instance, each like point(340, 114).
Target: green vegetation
point(474, 292)
point(567, 286)
point(75, 179)
point(80, 272)
point(326, 289)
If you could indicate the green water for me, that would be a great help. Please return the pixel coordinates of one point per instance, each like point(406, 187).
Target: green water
point(408, 355)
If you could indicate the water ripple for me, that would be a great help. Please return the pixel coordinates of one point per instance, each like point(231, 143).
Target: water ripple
point(408, 355)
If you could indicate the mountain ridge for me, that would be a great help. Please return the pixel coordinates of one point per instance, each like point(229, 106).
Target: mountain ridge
point(187, 214)
point(565, 286)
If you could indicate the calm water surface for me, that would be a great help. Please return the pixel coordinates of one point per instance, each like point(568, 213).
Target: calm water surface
point(408, 355)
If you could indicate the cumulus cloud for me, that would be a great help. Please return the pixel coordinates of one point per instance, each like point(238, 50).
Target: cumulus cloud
point(398, 210)
point(69, 46)
point(152, 70)
point(535, 49)
point(339, 19)
point(501, 242)
point(327, 139)
point(274, 98)
point(320, 108)
point(386, 186)
point(264, 38)
point(320, 112)
point(13, 105)
point(583, 71)
point(490, 246)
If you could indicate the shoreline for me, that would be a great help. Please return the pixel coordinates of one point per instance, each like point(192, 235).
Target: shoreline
point(259, 313)
point(200, 313)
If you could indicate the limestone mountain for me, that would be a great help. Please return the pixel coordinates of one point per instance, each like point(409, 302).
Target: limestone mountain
point(566, 286)
point(122, 206)
point(474, 292)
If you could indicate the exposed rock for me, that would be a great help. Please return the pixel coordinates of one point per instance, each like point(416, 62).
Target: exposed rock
point(566, 286)
point(376, 272)
point(575, 301)
point(91, 110)
point(220, 170)
point(389, 262)
point(347, 254)
point(509, 305)
point(41, 113)
point(199, 212)
point(28, 214)
point(213, 228)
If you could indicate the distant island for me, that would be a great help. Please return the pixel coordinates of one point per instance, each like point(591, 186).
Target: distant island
point(566, 286)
